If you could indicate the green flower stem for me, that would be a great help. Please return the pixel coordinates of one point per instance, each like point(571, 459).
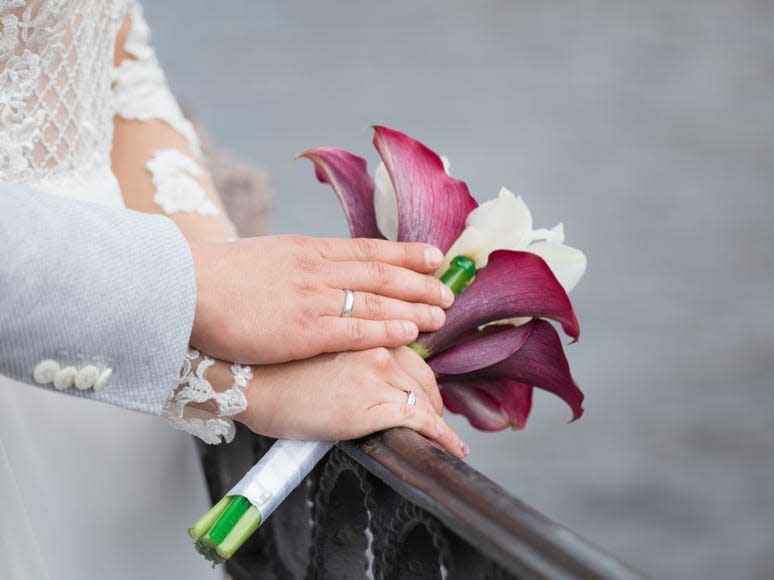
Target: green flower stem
point(204, 523)
point(461, 272)
point(228, 519)
point(239, 534)
point(420, 350)
point(220, 532)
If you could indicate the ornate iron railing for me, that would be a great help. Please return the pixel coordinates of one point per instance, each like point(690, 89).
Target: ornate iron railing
point(395, 506)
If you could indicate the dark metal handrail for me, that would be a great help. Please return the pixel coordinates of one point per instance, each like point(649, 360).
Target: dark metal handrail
point(395, 506)
point(520, 539)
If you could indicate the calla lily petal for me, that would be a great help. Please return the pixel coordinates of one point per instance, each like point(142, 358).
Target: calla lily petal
point(479, 407)
point(541, 362)
point(483, 349)
point(512, 284)
point(385, 203)
point(490, 404)
point(568, 264)
point(514, 398)
point(349, 177)
point(432, 206)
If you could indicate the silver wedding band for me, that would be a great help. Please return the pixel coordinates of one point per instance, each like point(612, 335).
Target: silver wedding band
point(349, 303)
point(412, 398)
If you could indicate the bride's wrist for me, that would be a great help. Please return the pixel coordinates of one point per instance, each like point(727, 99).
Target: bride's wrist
point(221, 376)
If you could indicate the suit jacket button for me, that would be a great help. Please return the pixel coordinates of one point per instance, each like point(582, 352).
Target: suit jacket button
point(65, 378)
point(45, 372)
point(86, 377)
point(103, 378)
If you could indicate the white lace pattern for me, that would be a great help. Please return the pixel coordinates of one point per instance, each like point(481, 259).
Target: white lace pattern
point(174, 177)
point(140, 92)
point(185, 410)
point(55, 117)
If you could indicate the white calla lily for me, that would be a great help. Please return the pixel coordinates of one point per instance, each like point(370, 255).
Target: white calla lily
point(567, 263)
point(505, 223)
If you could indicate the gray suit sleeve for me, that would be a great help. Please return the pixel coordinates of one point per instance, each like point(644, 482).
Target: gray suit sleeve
point(100, 299)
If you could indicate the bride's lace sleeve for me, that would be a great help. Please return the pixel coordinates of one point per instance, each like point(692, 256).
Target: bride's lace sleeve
point(199, 407)
point(157, 160)
point(156, 154)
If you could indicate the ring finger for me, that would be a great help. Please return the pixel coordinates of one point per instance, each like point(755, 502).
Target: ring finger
point(371, 306)
point(420, 417)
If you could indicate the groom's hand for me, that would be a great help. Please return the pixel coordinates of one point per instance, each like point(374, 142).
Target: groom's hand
point(278, 298)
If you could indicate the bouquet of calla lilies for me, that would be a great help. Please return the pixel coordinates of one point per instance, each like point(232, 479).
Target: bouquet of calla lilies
point(496, 345)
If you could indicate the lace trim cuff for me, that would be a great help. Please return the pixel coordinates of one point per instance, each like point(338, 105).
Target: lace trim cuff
point(197, 408)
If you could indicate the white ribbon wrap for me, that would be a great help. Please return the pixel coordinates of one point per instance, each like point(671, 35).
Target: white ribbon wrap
point(279, 472)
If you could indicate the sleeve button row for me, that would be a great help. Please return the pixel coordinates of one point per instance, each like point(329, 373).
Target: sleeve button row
point(49, 371)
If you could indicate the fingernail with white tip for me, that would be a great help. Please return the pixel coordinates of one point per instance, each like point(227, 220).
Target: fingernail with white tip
point(437, 314)
point(447, 296)
point(464, 448)
point(433, 257)
point(410, 328)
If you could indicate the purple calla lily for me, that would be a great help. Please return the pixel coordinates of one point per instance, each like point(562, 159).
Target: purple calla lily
point(535, 358)
point(348, 175)
point(487, 375)
point(432, 206)
point(513, 284)
point(490, 404)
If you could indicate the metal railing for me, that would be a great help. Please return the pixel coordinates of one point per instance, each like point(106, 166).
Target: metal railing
point(395, 506)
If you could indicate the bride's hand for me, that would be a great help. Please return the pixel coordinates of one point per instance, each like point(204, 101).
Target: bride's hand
point(345, 396)
point(278, 298)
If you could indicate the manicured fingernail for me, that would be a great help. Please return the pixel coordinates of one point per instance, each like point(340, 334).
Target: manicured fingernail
point(464, 448)
point(437, 314)
point(447, 296)
point(410, 328)
point(440, 429)
point(433, 257)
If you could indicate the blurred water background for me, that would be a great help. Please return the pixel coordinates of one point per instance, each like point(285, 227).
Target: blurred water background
point(648, 128)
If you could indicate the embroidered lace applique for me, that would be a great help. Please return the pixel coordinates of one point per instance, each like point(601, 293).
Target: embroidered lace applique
point(140, 92)
point(194, 388)
point(140, 88)
point(174, 178)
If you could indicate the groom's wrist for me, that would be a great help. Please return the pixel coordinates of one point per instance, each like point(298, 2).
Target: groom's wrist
point(201, 257)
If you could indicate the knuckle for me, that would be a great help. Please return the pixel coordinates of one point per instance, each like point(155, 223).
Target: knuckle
point(380, 274)
point(392, 333)
point(437, 403)
point(324, 248)
point(308, 265)
point(409, 414)
point(357, 331)
point(431, 382)
point(432, 287)
point(408, 254)
point(380, 357)
point(374, 305)
point(308, 315)
point(366, 248)
point(295, 241)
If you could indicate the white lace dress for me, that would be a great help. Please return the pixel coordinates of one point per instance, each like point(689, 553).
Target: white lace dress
point(87, 490)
